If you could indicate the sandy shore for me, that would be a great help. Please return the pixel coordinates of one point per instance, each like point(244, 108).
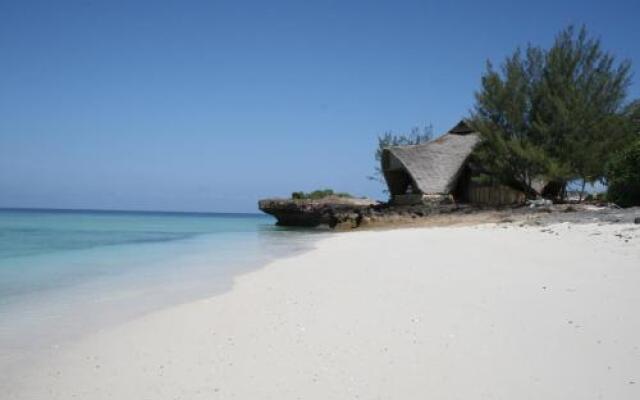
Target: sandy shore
point(485, 312)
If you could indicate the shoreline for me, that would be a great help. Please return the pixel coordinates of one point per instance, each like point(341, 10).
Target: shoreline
point(372, 314)
point(108, 302)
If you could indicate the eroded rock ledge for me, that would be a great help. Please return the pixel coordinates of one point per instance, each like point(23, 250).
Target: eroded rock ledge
point(314, 212)
point(349, 213)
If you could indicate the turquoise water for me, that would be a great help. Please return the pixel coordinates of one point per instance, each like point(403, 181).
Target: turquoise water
point(66, 273)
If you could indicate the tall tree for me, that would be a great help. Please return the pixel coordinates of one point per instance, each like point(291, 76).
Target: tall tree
point(503, 114)
point(555, 113)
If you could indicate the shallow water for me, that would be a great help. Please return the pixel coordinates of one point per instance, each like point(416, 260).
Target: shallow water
point(67, 273)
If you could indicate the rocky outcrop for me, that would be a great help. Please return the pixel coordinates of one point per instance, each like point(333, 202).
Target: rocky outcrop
point(331, 210)
point(341, 213)
point(346, 214)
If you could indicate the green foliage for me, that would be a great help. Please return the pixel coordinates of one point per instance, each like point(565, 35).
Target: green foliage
point(318, 194)
point(632, 114)
point(556, 113)
point(389, 139)
point(484, 180)
point(623, 175)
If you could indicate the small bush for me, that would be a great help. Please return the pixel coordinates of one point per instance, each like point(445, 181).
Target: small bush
point(623, 175)
point(318, 194)
point(297, 195)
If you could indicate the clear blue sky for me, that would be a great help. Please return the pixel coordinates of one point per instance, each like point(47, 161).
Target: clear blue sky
point(205, 105)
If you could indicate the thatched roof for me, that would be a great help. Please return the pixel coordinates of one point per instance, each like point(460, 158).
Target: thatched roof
point(432, 167)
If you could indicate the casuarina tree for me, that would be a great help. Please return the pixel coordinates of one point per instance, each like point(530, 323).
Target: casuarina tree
point(553, 114)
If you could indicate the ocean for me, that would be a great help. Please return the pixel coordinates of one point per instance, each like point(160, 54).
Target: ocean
point(68, 273)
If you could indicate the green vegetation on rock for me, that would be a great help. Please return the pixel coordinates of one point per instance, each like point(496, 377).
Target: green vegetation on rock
point(318, 194)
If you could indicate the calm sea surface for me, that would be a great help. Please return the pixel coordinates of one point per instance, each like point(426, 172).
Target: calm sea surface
point(66, 273)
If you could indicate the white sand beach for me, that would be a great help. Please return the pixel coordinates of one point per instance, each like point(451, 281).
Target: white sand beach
point(480, 312)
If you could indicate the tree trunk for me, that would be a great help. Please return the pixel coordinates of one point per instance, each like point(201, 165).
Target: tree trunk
point(584, 184)
point(563, 192)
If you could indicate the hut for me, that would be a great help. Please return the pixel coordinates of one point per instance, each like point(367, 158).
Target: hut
point(440, 171)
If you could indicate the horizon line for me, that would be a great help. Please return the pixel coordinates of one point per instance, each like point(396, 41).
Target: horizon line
point(123, 211)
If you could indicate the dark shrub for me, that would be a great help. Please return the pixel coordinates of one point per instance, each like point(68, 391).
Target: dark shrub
point(623, 175)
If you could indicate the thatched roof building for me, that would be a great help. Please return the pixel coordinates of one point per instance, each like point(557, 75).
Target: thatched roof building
point(435, 171)
point(432, 167)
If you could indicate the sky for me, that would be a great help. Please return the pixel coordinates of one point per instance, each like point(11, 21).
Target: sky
point(211, 105)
